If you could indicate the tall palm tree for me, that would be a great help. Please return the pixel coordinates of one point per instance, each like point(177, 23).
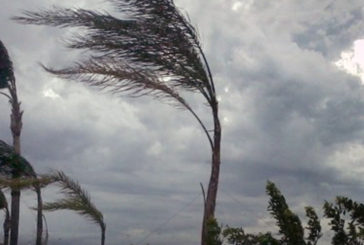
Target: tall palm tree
point(7, 81)
point(152, 50)
point(76, 199)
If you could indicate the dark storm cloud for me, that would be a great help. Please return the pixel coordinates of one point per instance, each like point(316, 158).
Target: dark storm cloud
point(289, 115)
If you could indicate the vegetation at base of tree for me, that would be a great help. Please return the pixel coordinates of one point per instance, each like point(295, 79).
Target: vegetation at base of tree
point(213, 232)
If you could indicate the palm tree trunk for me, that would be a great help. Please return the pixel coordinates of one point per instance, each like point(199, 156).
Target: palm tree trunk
point(45, 242)
point(14, 222)
point(6, 226)
point(39, 216)
point(15, 126)
point(210, 204)
point(103, 228)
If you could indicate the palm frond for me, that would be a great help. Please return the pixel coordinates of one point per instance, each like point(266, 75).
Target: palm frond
point(3, 201)
point(22, 183)
point(13, 164)
point(76, 199)
point(115, 77)
point(6, 67)
point(152, 50)
point(153, 35)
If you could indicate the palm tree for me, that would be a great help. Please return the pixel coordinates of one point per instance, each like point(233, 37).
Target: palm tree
point(154, 50)
point(7, 80)
point(77, 200)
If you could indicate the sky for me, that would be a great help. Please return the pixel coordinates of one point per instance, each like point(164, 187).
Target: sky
point(289, 76)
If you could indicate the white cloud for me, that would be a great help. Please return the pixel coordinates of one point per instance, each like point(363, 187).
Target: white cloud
point(352, 60)
point(236, 6)
point(50, 93)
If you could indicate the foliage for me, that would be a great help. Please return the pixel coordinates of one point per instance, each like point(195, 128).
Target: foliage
point(76, 199)
point(3, 202)
point(6, 67)
point(290, 228)
point(17, 174)
point(7, 80)
point(351, 232)
point(12, 164)
point(288, 222)
point(154, 50)
point(346, 221)
point(213, 232)
point(313, 226)
point(237, 236)
point(21, 183)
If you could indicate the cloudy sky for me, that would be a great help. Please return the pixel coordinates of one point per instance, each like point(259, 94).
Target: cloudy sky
point(289, 79)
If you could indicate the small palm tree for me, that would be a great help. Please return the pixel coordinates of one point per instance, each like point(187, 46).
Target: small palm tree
point(76, 199)
point(153, 50)
point(6, 225)
point(7, 81)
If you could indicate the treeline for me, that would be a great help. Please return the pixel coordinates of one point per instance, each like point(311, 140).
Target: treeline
point(345, 216)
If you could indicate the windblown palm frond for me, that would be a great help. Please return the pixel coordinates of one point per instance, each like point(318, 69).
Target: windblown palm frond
point(76, 199)
point(3, 201)
point(12, 164)
point(6, 67)
point(21, 183)
point(153, 50)
point(153, 38)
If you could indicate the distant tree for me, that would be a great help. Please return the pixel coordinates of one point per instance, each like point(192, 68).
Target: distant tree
point(290, 228)
point(352, 231)
point(313, 226)
point(288, 222)
point(345, 215)
point(151, 50)
point(7, 81)
point(237, 236)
